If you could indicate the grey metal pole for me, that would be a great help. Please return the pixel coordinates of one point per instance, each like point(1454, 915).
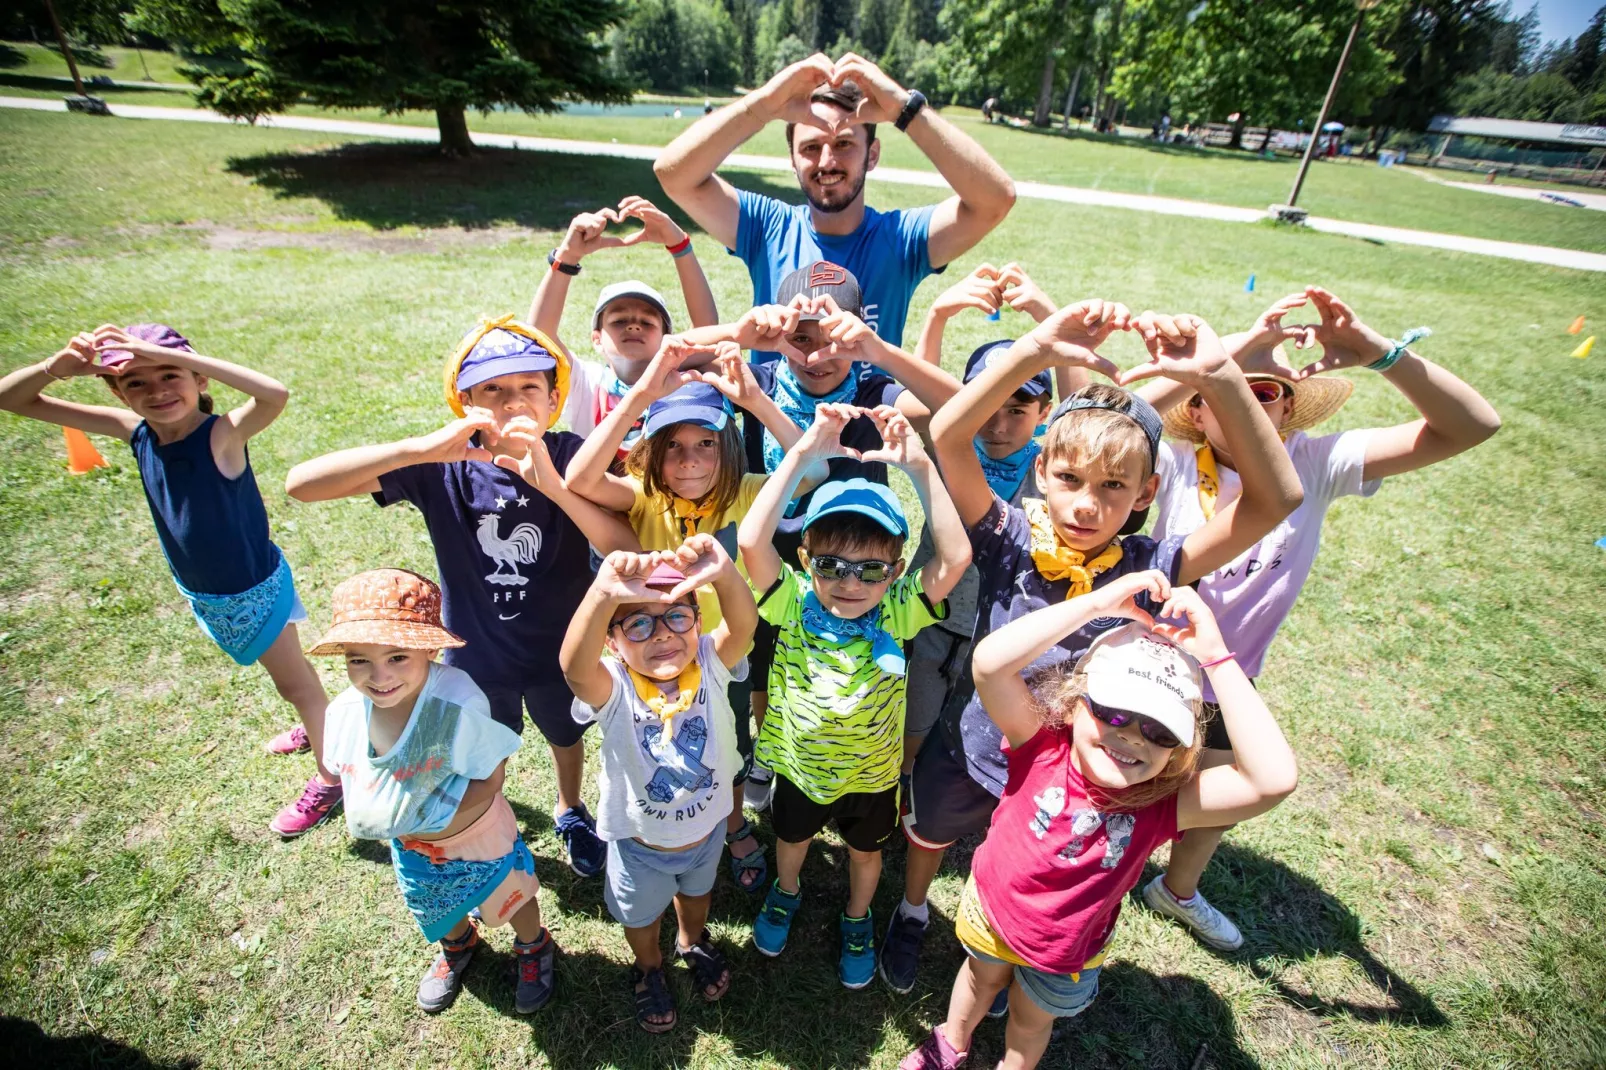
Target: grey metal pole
point(1327, 102)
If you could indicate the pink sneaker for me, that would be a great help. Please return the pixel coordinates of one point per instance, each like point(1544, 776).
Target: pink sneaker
point(294, 741)
point(318, 800)
point(935, 1053)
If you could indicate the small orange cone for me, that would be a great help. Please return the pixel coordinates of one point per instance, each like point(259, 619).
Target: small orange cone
point(81, 453)
point(1578, 325)
point(1583, 351)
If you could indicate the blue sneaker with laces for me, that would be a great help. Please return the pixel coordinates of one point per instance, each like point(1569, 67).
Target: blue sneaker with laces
point(587, 853)
point(774, 922)
point(857, 964)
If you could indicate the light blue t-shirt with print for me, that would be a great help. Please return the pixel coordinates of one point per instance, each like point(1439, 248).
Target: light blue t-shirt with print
point(887, 254)
point(417, 785)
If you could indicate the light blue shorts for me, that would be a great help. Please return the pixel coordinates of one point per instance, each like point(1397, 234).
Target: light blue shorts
point(643, 881)
point(1054, 993)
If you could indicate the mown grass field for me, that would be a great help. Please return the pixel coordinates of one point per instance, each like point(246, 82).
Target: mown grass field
point(1349, 190)
point(1433, 896)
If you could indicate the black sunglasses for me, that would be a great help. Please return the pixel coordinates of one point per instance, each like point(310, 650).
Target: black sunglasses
point(1152, 730)
point(830, 567)
point(640, 627)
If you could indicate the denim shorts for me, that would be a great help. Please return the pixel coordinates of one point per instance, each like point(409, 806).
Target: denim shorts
point(1054, 993)
point(643, 881)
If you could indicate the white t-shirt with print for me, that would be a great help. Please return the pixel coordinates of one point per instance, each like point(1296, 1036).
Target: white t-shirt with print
point(1253, 594)
point(667, 792)
point(417, 785)
point(591, 397)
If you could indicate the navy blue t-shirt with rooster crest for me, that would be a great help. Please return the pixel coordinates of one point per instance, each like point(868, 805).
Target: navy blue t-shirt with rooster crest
point(513, 566)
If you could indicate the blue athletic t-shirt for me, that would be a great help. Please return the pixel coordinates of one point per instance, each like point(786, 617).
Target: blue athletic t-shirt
point(1011, 587)
point(513, 566)
point(887, 254)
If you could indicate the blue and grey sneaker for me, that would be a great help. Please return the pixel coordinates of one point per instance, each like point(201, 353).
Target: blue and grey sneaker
point(900, 954)
point(774, 922)
point(857, 964)
point(587, 854)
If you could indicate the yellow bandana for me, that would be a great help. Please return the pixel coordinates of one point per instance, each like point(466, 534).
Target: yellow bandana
point(560, 374)
point(1209, 479)
point(689, 513)
point(1056, 561)
point(650, 692)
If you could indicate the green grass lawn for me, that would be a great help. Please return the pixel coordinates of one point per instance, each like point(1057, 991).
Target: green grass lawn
point(1433, 895)
point(1350, 190)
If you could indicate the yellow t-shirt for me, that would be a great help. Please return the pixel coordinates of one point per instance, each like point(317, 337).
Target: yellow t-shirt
point(659, 529)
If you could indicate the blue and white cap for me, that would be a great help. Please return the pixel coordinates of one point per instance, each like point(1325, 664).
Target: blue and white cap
point(991, 353)
point(693, 403)
point(861, 496)
point(501, 352)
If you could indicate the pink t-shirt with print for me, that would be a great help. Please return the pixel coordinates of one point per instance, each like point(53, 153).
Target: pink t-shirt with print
point(1053, 870)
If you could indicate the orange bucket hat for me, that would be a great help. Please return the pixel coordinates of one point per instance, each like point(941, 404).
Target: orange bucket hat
point(387, 607)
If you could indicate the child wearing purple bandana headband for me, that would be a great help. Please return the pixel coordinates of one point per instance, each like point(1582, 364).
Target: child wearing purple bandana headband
point(196, 471)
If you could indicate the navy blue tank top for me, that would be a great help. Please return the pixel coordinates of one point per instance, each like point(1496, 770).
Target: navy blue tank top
point(214, 530)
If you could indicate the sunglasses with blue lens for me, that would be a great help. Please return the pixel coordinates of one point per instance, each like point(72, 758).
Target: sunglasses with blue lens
point(1151, 730)
point(830, 567)
point(642, 626)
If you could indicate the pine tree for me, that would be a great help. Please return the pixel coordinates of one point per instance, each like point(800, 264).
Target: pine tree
point(401, 55)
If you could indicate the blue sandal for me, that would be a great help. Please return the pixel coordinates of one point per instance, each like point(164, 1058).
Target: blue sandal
point(751, 871)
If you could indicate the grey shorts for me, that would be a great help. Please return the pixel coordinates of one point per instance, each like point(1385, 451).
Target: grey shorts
point(1054, 993)
point(936, 661)
point(643, 881)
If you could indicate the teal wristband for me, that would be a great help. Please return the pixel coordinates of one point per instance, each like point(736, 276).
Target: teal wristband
point(1393, 356)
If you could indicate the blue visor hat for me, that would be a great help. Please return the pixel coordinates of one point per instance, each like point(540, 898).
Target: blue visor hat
point(694, 403)
point(502, 353)
point(991, 353)
point(858, 496)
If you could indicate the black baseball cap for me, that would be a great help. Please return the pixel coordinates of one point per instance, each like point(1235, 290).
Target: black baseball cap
point(820, 279)
point(990, 353)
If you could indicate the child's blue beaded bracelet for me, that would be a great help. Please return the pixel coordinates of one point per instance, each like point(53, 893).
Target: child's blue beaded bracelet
point(1393, 356)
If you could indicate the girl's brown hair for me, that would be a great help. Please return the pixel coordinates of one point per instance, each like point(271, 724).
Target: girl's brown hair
point(645, 461)
point(1057, 697)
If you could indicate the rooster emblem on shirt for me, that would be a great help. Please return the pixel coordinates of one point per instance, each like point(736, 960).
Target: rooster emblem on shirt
point(521, 547)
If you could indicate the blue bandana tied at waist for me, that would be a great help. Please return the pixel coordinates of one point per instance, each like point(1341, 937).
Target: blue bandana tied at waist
point(886, 651)
point(440, 894)
point(246, 624)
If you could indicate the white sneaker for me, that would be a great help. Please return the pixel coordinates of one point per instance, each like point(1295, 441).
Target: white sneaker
point(759, 789)
point(1208, 924)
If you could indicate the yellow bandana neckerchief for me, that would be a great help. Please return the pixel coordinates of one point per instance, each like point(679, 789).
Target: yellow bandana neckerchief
point(1056, 561)
point(689, 513)
point(691, 678)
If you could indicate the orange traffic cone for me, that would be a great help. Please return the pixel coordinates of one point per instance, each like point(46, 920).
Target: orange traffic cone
point(81, 453)
point(1578, 325)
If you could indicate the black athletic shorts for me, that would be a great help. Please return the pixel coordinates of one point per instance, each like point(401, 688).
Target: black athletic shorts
point(865, 820)
point(944, 803)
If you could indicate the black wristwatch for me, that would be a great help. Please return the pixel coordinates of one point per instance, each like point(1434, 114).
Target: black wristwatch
point(567, 269)
point(917, 100)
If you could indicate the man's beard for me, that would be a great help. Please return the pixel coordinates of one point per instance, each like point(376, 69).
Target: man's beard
point(829, 208)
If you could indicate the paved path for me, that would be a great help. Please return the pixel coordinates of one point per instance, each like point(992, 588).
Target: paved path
point(1537, 254)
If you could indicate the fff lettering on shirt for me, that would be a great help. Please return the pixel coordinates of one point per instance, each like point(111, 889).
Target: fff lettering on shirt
point(508, 596)
point(678, 813)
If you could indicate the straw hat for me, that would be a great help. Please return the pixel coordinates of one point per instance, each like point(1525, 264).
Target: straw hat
point(387, 607)
point(1315, 399)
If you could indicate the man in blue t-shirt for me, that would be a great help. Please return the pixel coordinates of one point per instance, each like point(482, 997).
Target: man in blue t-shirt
point(831, 112)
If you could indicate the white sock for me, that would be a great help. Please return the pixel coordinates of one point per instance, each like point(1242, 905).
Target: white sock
point(918, 913)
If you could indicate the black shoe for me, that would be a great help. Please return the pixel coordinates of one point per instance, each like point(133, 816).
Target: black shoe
point(900, 952)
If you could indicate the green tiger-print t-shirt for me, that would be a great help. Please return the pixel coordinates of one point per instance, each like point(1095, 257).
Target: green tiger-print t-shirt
point(835, 719)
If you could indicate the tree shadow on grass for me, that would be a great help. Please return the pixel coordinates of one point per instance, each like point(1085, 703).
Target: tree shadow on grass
point(388, 185)
point(27, 1044)
point(11, 57)
point(63, 86)
point(1286, 917)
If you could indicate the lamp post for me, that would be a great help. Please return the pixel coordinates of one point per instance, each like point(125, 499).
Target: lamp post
point(1288, 212)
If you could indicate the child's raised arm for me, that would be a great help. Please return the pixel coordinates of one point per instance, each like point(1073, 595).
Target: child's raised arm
point(1263, 772)
point(1004, 654)
point(621, 578)
point(979, 289)
point(1455, 417)
point(1068, 337)
point(22, 392)
point(900, 446)
point(1253, 350)
point(1186, 350)
point(926, 387)
point(662, 230)
point(821, 442)
point(1023, 295)
point(357, 470)
point(522, 451)
point(704, 561)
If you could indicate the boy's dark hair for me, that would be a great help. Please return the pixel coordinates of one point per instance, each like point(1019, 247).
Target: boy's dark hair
point(846, 533)
point(845, 96)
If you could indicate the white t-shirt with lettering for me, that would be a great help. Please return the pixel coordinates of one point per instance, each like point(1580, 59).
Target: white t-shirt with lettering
point(1253, 594)
point(667, 785)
